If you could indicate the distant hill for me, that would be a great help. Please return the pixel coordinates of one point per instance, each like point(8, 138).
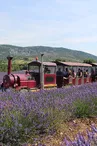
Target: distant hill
point(50, 53)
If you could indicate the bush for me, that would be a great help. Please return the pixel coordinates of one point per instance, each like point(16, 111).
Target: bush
point(82, 109)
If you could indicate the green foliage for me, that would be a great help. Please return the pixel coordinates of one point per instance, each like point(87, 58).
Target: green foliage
point(59, 59)
point(90, 61)
point(82, 109)
point(16, 65)
point(94, 107)
point(3, 66)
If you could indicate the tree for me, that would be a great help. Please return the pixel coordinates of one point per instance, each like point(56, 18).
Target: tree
point(59, 59)
point(89, 61)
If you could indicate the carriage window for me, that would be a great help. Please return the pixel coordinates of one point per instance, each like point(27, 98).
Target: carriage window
point(34, 68)
point(50, 69)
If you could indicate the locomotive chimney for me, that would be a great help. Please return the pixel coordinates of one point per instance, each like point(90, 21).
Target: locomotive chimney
point(9, 64)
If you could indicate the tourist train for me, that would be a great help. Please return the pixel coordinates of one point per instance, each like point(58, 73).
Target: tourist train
point(40, 75)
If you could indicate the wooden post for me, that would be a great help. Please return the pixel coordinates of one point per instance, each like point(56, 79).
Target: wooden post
point(42, 73)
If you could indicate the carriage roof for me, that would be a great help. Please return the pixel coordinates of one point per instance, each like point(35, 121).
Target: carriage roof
point(94, 64)
point(74, 64)
point(44, 63)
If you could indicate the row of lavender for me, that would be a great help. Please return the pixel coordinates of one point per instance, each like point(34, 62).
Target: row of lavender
point(25, 115)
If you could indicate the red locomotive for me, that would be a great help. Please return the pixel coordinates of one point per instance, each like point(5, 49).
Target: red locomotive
point(44, 74)
point(32, 78)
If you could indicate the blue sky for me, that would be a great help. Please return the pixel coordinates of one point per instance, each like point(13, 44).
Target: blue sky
point(59, 23)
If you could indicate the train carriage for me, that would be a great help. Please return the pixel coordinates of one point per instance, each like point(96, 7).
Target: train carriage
point(73, 72)
point(94, 69)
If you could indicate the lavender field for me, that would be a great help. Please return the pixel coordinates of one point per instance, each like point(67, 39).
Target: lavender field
point(26, 116)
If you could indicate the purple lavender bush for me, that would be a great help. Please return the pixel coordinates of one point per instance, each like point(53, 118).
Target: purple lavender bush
point(80, 140)
point(26, 115)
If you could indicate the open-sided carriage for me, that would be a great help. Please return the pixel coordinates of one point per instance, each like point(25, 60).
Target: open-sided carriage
point(74, 73)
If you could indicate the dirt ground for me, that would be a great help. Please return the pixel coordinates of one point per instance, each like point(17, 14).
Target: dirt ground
point(70, 130)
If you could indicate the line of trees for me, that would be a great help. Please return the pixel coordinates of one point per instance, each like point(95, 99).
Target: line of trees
point(89, 61)
point(15, 66)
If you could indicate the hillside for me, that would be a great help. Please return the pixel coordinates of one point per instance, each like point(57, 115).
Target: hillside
point(50, 53)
